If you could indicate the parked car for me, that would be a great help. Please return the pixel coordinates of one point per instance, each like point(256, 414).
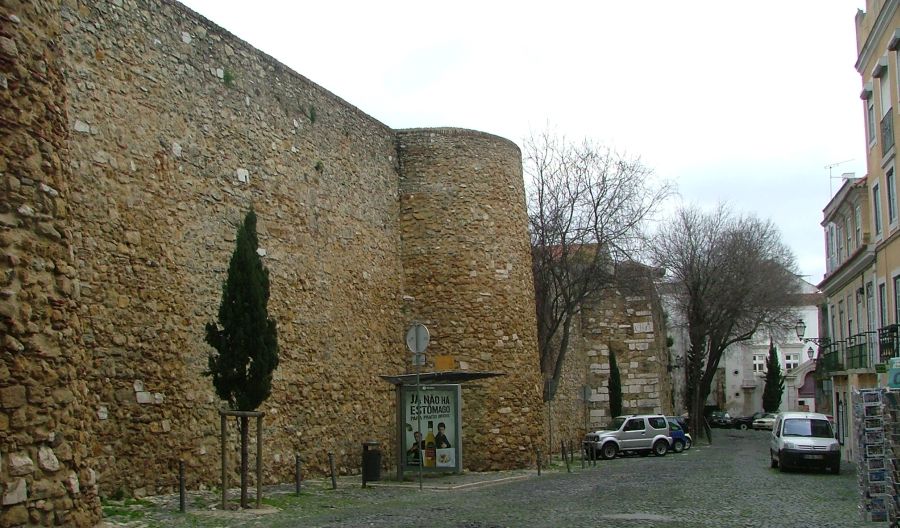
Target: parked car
point(681, 439)
point(766, 421)
point(802, 439)
point(637, 433)
point(746, 422)
point(719, 419)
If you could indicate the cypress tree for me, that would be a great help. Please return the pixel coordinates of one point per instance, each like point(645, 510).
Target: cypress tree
point(615, 387)
point(774, 388)
point(245, 339)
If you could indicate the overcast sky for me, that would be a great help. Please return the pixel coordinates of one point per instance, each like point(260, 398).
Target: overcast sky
point(744, 102)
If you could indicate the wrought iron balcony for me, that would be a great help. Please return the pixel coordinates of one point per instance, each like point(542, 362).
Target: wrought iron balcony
point(832, 356)
point(888, 342)
point(887, 132)
point(861, 350)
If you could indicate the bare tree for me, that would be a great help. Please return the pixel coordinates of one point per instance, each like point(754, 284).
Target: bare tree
point(587, 205)
point(731, 277)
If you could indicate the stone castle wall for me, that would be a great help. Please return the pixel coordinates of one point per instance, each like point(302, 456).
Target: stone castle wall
point(628, 320)
point(162, 130)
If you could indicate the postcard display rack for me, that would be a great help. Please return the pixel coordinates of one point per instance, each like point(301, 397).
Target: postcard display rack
point(876, 414)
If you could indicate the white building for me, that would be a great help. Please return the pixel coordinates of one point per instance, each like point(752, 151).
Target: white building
point(743, 365)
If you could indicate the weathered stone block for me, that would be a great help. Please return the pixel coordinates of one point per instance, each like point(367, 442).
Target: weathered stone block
point(12, 397)
point(20, 464)
point(16, 492)
point(47, 459)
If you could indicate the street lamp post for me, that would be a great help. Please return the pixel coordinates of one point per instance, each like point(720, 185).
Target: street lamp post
point(800, 328)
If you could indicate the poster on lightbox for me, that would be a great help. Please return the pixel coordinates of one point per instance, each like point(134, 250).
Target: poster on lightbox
point(434, 409)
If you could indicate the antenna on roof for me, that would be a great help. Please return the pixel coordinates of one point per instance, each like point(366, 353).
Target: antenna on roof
point(830, 166)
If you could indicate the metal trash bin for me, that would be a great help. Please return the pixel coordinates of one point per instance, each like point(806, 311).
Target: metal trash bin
point(371, 462)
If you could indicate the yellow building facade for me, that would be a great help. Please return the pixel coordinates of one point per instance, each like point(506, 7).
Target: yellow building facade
point(862, 232)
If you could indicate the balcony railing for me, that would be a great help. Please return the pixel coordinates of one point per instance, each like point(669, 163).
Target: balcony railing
point(832, 356)
point(861, 350)
point(887, 132)
point(888, 342)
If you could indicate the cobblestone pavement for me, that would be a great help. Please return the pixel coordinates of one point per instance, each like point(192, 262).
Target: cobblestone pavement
point(725, 484)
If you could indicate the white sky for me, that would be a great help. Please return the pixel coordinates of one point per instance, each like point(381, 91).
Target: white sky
point(738, 101)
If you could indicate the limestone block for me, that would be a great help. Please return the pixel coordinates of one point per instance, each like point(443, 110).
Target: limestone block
point(12, 397)
point(43, 489)
point(81, 126)
point(16, 492)
point(138, 385)
point(643, 328)
point(47, 459)
point(242, 175)
point(143, 397)
point(103, 412)
point(14, 516)
point(502, 410)
point(20, 464)
point(633, 364)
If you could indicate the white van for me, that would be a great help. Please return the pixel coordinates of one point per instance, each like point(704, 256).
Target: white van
point(803, 439)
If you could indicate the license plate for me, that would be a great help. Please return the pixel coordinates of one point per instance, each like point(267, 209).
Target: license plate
point(813, 457)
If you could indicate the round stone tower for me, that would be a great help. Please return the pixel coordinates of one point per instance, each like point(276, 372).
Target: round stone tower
point(46, 411)
point(467, 275)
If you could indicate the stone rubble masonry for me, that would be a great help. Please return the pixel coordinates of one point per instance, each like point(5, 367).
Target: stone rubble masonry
point(466, 263)
point(136, 134)
point(624, 319)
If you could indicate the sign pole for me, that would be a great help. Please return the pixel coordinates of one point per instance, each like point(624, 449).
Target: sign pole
point(417, 338)
point(419, 423)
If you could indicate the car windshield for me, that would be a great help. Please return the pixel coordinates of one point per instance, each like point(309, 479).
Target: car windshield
point(616, 423)
point(674, 425)
point(807, 427)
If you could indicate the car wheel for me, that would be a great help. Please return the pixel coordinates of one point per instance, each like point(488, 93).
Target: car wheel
point(678, 445)
point(660, 448)
point(772, 462)
point(836, 469)
point(608, 451)
point(687, 444)
point(743, 427)
point(782, 467)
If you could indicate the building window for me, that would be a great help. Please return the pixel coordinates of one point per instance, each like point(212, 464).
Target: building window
point(759, 363)
point(841, 318)
point(891, 197)
point(791, 361)
point(876, 208)
point(849, 232)
point(870, 307)
point(882, 305)
point(870, 119)
point(897, 298)
point(840, 244)
point(858, 226)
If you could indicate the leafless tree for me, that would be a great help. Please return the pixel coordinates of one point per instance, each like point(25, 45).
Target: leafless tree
point(587, 206)
point(731, 277)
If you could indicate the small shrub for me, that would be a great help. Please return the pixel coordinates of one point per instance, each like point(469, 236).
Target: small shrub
point(320, 166)
point(228, 78)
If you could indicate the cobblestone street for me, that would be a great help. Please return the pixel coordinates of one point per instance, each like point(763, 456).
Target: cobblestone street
point(726, 484)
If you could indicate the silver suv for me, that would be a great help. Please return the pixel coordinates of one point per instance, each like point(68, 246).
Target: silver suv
point(636, 433)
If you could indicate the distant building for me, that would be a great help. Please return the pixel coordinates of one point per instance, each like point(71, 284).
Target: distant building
point(742, 376)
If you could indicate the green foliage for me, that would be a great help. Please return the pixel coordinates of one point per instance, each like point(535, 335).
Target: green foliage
point(228, 78)
point(320, 166)
point(774, 382)
point(615, 387)
point(245, 339)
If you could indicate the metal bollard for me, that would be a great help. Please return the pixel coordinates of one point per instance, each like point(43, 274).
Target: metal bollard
point(333, 476)
point(539, 461)
point(297, 475)
point(181, 493)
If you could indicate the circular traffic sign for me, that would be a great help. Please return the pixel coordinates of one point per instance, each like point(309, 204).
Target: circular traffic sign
point(417, 338)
